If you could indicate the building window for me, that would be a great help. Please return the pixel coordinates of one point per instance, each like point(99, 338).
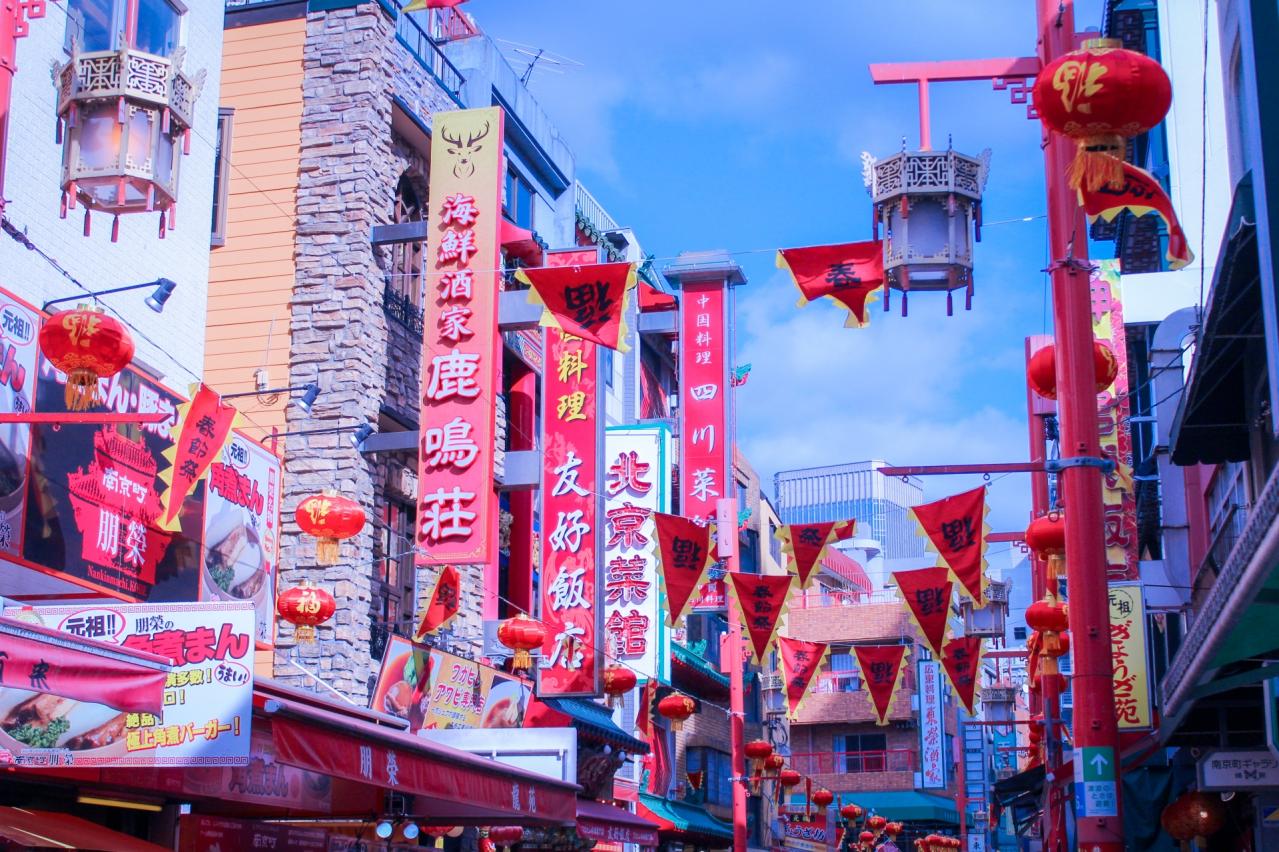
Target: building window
point(606, 365)
point(861, 752)
point(517, 199)
point(774, 546)
point(395, 579)
point(842, 676)
point(1019, 634)
point(221, 174)
point(151, 26)
point(718, 767)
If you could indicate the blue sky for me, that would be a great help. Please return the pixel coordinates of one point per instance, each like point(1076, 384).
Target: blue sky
point(740, 125)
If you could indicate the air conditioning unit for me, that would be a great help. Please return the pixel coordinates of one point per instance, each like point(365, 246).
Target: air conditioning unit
point(402, 482)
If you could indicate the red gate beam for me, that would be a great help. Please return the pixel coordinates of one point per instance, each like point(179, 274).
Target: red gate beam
point(75, 418)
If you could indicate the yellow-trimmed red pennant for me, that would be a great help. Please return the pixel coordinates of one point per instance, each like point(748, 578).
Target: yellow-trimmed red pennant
point(587, 301)
point(806, 544)
point(684, 555)
point(881, 668)
point(961, 661)
point(799, 662)
point(927, 593)
point(956, 529)
point(849, 273)
point(761, 599)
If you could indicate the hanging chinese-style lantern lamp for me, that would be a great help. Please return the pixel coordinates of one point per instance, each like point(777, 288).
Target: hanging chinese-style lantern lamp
point(521, 634)
point(1046, 536)
point(1050, 619)
point(506, 836)
point(773, 763)
point(305, 607)
point(851, 812)
point(893, 829)
point(1194, 815)
point(1041, 370)
point(329, 517)
point(618, 680)
point(1100, 95)
point(823, 798)
point(758, 751)
point(788, 778)
point(677, 707)
point(86, 345)
point(437, 833)
point(867, 838)
point(876, 823)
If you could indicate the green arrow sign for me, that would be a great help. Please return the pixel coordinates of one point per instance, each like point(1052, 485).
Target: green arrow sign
point(1099, 763)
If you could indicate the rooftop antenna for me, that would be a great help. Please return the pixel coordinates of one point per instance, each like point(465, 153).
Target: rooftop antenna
point(538, 58)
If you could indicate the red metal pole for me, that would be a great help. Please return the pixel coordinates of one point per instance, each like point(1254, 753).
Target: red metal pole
point(14, 15)
point(523, 427)
point(1099, 827)
point(736, 699)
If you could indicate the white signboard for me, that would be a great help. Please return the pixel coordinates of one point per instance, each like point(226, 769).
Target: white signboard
point(1229, 769)
point(208, 699)
point(932, 730)
point(637, 482)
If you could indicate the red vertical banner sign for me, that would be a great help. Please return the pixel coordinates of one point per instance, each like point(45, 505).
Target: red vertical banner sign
point(457, 511)
point(572, 513)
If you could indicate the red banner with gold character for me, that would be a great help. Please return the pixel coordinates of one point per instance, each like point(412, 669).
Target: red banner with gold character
point(684, 553)
point(927, 595)
point(807, 543)
point(956, 530)
point(762, 601)
point(443, 603)
point(799, 662)
point(961, 660)
point(204, 426)
point(881, 667)
point(848, 273)
point(588, 301)
point(1140, 194)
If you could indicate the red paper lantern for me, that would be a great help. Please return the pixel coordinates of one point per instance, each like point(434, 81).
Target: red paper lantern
point(823, 798)
point(521, 634)
point(305, 606)
point(789, 778)
point(676, 707)
point(851, 812)
point(1176, 820)
point(774, 762)
point(876, 823)
point(866, 837)
point(893, 829)
point(1099, 95)
point(1047, 616)
point(759, 750)
point(506, 836)
point(1046, 535)
point(329, 517)
point(1200, 814)
point(438, 833)
point(618, 680)
point(1041, 371)
point(86, 345)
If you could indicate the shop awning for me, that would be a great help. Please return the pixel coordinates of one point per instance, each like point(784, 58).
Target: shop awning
point(594, 720)
point(48, 830)
point(446, 782)
point(64, 664)
point(907, 805)
point(608, 824)
point(672, 815)
point(652, 300)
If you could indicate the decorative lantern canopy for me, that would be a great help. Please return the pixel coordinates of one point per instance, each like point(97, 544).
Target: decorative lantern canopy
point(929, 203)
point(1100, 95)
point(618, 680)
point(989, 620)
point(127, 116)
point(521, 634)
point(677, 707)
point(758, 751)
point(506, 836)
point(823, 798)
point(998, 702)
point(329, 517)
point(1041, 370)
point(86, 345)
point(305, 606)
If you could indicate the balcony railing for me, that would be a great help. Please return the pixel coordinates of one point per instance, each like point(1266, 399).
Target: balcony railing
point(400, 309)
point(592, 211)
point(854, 762)
point(428, 53)
point(818, 599)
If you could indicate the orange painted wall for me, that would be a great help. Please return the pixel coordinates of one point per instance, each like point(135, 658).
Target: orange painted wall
point(251, 276)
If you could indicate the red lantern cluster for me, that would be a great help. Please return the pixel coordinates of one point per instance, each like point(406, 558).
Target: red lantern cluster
point(1100, 95)
point(677, 707)
point(521, 634)
point(618, 680)
point(86, 345)
point(331, 518)
point(937, 842)
point(1041, 371)
point(305, 607)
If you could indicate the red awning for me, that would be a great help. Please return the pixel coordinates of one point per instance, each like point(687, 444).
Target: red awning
point(520, 242)
point(47, 830)
point(847, 569)
point(39, 658)
point(609, 824)
point(447, 782)
point(652, 300)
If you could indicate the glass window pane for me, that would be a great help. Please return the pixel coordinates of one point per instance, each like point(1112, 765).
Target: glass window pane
point(93, 24)
point(157, 27)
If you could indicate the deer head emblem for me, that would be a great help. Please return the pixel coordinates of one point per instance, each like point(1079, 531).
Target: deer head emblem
point(464, 152)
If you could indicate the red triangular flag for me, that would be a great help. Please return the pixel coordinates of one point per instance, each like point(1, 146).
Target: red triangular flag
point(1141, 194)
point(761, 598)
point(927, 595)
point(684, 556)
point(881, 667)
point(961, 659)
point(956, 529)
point(442, 606)
point(849, 273)
point(587, 301)
point(205, 425)
point(807, 543)
point(799, 662)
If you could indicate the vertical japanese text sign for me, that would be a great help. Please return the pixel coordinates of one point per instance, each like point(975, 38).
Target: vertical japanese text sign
point(932, 739)
point(457, 511)
point(706, 442)
point(1129, 657)
point(636, 484)
point(572, 512)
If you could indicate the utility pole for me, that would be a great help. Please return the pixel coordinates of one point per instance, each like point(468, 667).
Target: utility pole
point(727, 510)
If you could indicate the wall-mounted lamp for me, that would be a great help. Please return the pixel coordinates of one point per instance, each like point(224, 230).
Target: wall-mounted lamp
point(310, 392)
point(163, 291)
point(363, 431)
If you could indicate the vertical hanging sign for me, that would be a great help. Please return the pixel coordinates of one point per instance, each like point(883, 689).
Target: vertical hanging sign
point(457, 511)
point(932, 755)
point(1128, 656)
point(636, 484)
point(572, 516)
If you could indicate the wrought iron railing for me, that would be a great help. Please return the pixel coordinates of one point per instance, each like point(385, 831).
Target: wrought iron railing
point(400, 309)
point(854, 762)
point(428, 53)
point(819, 599)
